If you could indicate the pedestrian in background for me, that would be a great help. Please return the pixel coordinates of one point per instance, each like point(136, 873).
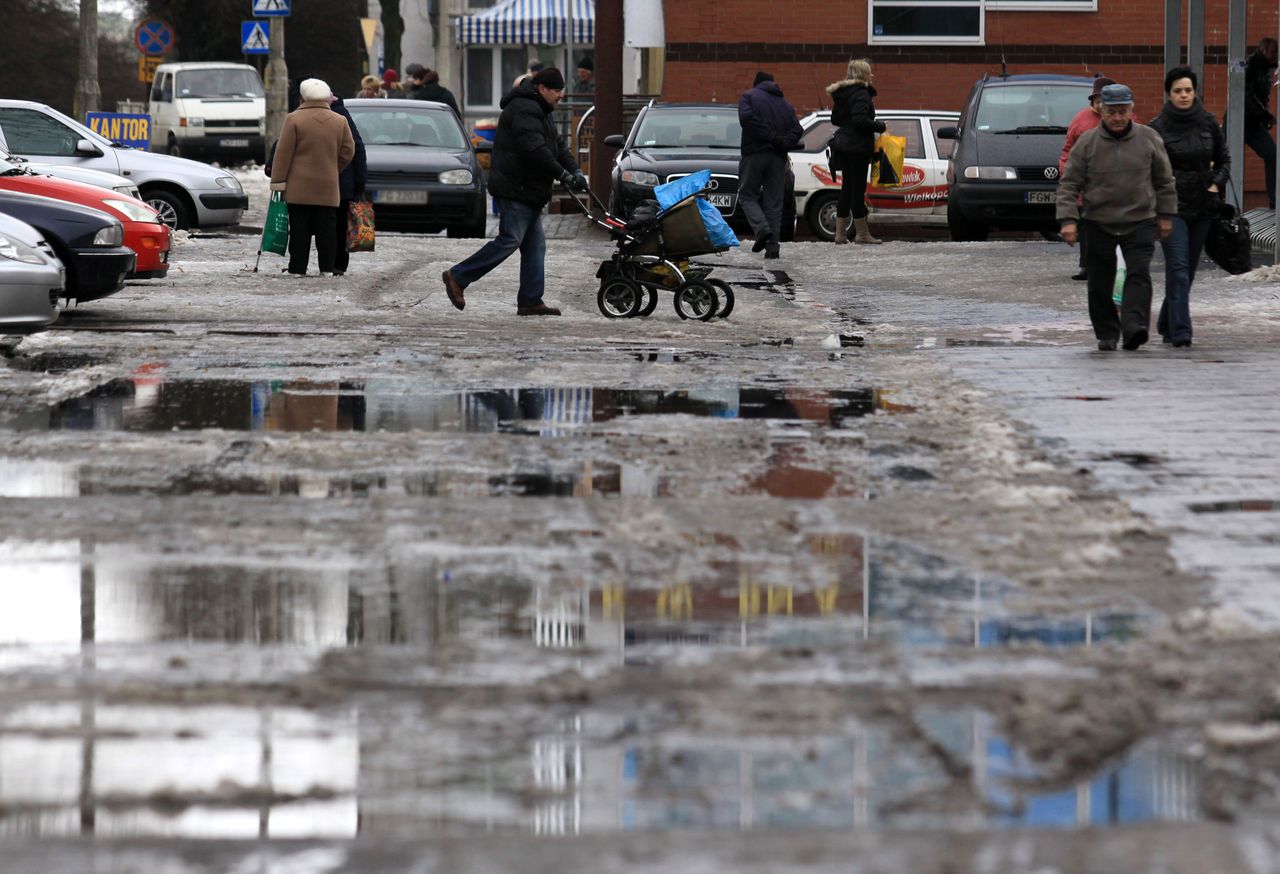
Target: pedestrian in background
point(315, 144)
point(1258, 118)
point(852, 146)
point(371, 86)
point(351, 182)
point(391, 83)
point(1085, 120)
point(1201, 166)
point(769, 131)
point(1118, 190)
point(535, 66)
point(529, 155)
point(585, 84)
point(431, 89)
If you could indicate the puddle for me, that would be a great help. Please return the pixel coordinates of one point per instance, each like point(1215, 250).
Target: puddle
point(150, 404)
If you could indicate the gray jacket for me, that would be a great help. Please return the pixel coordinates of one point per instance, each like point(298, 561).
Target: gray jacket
point(1117, 182)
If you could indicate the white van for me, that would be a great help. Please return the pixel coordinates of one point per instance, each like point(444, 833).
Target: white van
point(211, 110)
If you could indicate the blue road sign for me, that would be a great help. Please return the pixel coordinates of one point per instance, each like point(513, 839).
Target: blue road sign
point(153, 37)
point(255, 37)
point(263, 8)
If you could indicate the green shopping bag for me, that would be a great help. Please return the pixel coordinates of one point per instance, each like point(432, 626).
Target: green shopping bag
point(275, 230)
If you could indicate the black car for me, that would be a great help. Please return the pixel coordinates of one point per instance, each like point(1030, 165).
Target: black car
point(671, 140)
point(89, 242)
point(1003, 171)
point(423, 171)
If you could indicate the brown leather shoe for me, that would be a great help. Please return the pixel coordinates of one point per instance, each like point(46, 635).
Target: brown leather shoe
point(453, 289)
point(540, 309)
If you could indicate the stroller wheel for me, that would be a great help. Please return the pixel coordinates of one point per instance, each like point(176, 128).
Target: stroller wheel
point(696, 299)
point(650, 302)
point(619, 298)
point(726, 296)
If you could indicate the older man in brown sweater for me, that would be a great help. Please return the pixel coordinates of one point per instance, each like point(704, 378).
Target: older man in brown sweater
point(314, 145)
point(1118, 176)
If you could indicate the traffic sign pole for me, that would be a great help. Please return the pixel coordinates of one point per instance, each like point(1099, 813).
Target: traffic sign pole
point(277, 87)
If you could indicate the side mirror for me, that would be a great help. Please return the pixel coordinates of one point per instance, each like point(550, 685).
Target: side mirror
point(948, 133)
point(615, 141)
point(87, 148)
point(483, 145)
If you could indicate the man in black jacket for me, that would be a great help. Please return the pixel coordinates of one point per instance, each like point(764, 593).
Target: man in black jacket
point(529, 155)
point(769, 131)
point(426, 86)
point(1258, 119)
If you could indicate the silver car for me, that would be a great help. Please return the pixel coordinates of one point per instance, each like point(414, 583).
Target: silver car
point(187, 194)
point(31, 277)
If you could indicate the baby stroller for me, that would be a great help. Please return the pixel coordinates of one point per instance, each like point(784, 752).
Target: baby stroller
point(653, 253)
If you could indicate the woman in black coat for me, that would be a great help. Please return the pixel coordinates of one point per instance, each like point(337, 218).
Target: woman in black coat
point(1201, 166)
point(852, 146)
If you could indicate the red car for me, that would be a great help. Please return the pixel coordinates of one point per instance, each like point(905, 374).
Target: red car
point(143, 231)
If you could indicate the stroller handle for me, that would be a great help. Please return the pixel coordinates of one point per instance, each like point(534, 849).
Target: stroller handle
point(608, 222)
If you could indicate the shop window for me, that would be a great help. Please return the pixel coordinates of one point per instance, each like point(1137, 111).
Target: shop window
point(1043, 5)
point(926, 21)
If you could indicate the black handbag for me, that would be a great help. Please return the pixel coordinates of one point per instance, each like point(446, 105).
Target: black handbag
point(1230, 243)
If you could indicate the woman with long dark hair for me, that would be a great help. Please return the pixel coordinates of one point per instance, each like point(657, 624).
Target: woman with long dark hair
point(1201, 166)
point(852, 146)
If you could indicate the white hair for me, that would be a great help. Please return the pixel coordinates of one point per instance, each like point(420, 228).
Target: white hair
point(314, 89)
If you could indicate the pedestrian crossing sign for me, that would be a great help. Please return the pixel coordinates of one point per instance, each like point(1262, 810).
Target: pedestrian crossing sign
point(270, 7)
point(255, 37)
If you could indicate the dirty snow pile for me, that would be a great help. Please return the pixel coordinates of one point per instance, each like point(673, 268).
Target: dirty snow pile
point(1270, 273)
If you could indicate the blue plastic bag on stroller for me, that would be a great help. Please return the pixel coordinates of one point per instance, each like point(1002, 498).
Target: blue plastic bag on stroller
point(671, 193)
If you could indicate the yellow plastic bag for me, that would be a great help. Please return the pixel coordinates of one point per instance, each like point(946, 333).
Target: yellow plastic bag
point(886, 166)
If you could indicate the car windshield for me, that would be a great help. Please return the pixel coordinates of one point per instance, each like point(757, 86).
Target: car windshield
point(430, 128)
point(671, 128)
point(1029, 108)
point(218, 83)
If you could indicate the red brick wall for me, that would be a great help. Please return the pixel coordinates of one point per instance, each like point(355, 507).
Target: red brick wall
point(715, 47)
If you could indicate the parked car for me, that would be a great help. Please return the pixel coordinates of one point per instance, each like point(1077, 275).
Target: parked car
point(187, 194)
point(88, 242)
point(1004, 170)
point(144, 233)
point(672, 140)
point(921, 198)
point(213, 109)
point(32, 279)
point(423, 171)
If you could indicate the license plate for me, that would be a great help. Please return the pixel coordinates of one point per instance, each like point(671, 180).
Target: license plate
point(1042, 196)
point(721, 200)
point(234, 144)
point(395, 196)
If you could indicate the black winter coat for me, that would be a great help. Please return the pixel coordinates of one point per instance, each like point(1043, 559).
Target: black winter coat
point(437, 92)
point(854, 114)
point(768, 121)
point(354, 176)
point(1257, 93)
point(1199, 157)
point(528, 152)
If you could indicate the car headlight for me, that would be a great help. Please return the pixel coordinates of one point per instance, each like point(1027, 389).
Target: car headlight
point(639, 177)
point(456, 177)
point(133, 210)
point(112, 235)
point(128, 191)
point(195, 121)
point(1001, 173)
point(229, 182)
point(16, 250)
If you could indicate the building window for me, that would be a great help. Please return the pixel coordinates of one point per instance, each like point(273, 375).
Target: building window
point(491, 71)
point(926, 21)
point(1043, 5)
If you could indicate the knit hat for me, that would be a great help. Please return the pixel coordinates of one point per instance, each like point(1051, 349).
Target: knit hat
point(390, 76)
point(414, 70)
point(586, 64)
point(314, 89)
point(762, 76)
point(1116, 95)
point(1098, 84)
point(549, 77)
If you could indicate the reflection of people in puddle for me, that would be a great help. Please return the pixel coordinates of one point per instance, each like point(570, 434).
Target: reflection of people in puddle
point(506, 406)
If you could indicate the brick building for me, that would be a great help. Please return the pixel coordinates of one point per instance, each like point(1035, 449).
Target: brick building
point(926, 54)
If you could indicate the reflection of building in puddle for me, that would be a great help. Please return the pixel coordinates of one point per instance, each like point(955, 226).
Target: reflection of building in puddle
point(26, 478)
point(200, 772)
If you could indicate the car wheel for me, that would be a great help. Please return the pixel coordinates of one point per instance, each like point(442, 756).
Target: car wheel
point(963, 230)
point(173, 212)
point(821, 215)
point(173, 147)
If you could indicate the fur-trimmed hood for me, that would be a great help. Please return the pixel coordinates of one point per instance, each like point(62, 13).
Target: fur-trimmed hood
point(836, 86)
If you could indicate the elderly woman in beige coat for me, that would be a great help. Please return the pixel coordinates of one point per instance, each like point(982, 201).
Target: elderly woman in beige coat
point(314, 146)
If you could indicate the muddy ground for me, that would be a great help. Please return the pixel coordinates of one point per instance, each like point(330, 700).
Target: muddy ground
point(888, 565)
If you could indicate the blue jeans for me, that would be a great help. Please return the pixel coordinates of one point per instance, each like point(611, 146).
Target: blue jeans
point(1181, 255)
point(519, 227)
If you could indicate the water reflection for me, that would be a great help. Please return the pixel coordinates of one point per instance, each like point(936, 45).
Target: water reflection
point(151, 404)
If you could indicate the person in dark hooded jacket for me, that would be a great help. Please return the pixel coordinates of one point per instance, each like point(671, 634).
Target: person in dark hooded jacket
point(852, 146)
point(427, 87)
point(1201, 165)
point(351, 182)
point(769, 131)
point(529, 155)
